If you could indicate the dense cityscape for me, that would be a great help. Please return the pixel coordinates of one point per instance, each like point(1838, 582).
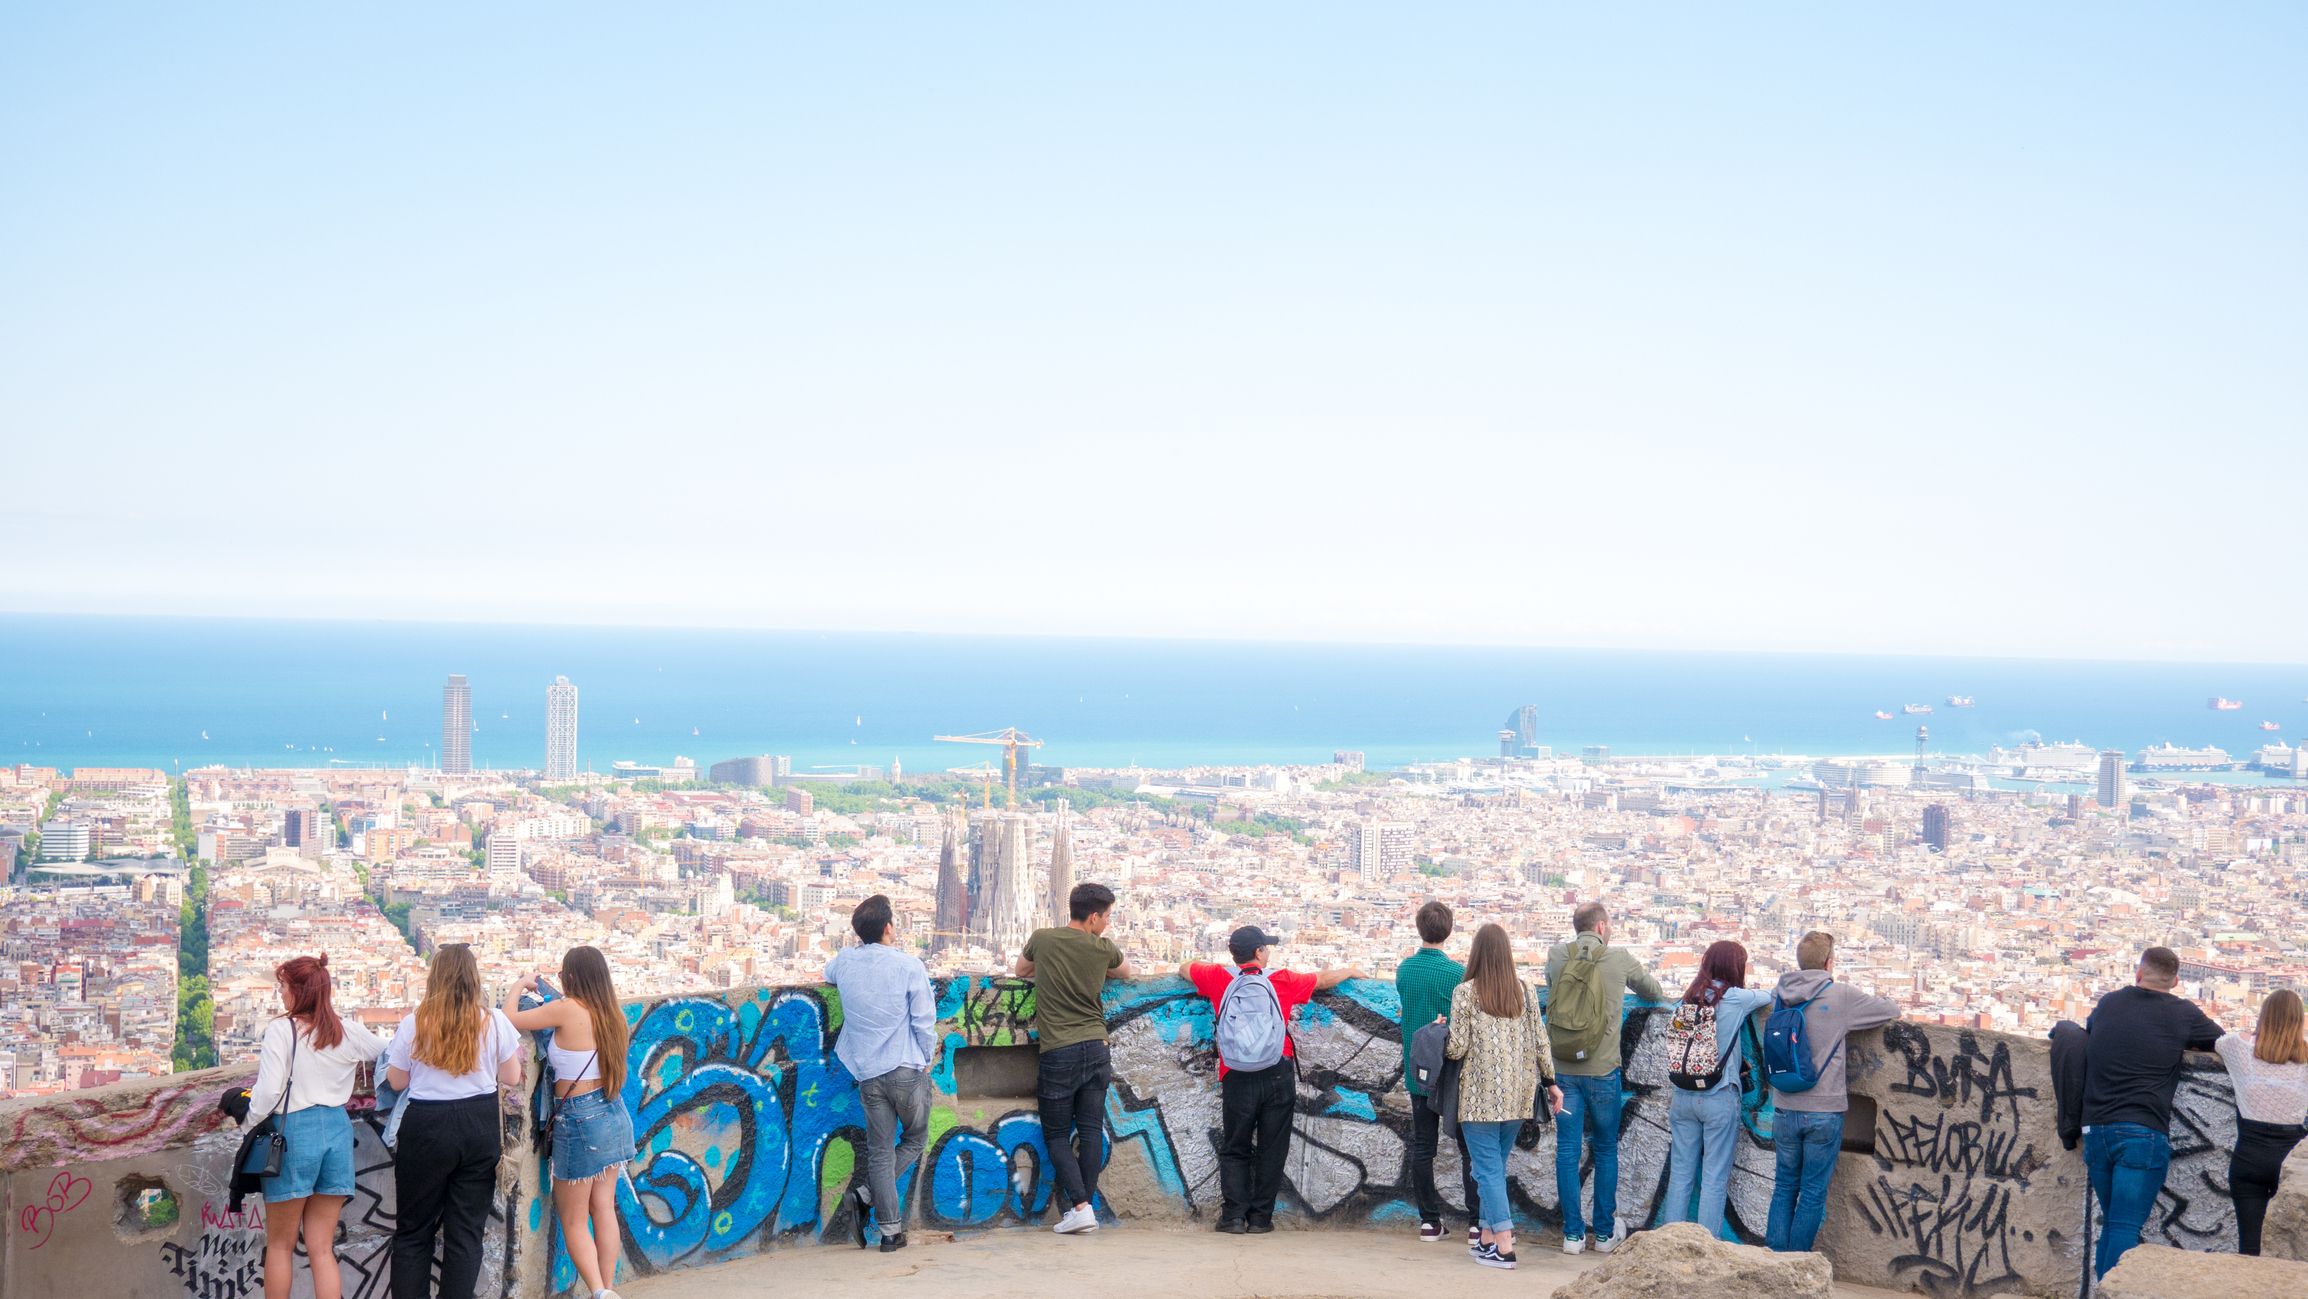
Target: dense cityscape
point(145, 911)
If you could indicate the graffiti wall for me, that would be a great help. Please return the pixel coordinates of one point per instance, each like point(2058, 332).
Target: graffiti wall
point(124, 1191)
point(749, 1136)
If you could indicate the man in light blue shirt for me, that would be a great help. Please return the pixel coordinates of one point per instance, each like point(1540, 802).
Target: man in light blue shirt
point(888, 1039)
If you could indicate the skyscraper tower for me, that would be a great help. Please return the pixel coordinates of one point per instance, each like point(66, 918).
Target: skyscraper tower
point(2111, 790)
point(457, 726)
point(560, 730)
point(1922, 737)
point(1935, 827)
point(1062, 865)
point(952, 921)
point(1524, 722)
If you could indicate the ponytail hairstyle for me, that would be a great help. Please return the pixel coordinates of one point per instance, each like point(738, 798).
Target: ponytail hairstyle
point(585, 980)
point(449, 1018)
point(304, 989)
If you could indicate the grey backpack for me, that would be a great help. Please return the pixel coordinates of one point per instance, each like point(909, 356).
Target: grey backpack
point(1250, 1031)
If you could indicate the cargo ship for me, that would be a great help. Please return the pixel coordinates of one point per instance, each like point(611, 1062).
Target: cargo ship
point(2223, 704)
point(2170, 757)
point(2270, 726)
point(1959, 701)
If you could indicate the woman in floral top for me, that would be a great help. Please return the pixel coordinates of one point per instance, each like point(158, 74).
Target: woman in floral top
point(1497, 1033)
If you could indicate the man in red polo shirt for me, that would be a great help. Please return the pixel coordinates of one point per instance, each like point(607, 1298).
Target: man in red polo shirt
point(1257, 1070)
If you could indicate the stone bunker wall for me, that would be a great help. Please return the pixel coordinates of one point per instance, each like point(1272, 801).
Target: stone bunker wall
point(1953, 1182)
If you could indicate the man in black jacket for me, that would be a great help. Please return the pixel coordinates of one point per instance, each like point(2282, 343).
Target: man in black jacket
point(2139, 1037)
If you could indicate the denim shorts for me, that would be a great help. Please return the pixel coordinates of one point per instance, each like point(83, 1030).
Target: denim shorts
point(592, 1135)
point(318, 1154)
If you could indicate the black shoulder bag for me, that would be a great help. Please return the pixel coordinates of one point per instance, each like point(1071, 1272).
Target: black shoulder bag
point(276, 1146)
point(541, 1137)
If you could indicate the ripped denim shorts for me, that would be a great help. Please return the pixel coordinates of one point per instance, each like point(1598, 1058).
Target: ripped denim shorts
point(592, 1137)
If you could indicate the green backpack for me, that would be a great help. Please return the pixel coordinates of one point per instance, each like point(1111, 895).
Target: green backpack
point(1581, 1015)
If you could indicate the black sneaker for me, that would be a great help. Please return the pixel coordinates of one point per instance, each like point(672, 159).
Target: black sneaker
point(1489, 1256)
point(861, 1202)
point(892, 1242)
point(1234, 1226)
point(1259, 1226)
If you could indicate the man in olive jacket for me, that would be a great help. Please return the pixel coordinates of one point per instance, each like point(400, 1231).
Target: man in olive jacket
point(1587, 1065)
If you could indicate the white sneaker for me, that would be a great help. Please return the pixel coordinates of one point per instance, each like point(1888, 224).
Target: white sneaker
point(1605, 1244)
point(1574, 1244)
point(1079, 1219)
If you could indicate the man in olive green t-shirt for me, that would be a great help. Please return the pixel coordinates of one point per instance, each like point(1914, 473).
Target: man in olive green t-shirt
point(1593, 1095)
point(1069, 966)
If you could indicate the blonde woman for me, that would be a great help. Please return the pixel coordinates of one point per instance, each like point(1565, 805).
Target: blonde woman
point(592, 1129)
point(450, 1055)
point(2270, 1074)
point(1497, 1033)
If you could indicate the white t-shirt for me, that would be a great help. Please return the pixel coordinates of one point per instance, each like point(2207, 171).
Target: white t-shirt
point(314, 1077)
point(500, 1042)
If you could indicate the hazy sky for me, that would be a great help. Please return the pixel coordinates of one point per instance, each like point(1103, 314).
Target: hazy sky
point(1962, 328)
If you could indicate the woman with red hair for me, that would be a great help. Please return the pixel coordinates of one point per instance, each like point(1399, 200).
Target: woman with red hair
point(304, 1076)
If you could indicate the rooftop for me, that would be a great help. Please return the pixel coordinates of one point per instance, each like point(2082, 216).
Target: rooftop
point(1147, 1261)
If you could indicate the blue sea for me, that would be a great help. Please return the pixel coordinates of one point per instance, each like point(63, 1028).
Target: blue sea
point(173, 692)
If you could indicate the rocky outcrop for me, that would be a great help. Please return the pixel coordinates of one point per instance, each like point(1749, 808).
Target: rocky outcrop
point(1682, 1259)
point(2286, 1234)
point(2161, 1272)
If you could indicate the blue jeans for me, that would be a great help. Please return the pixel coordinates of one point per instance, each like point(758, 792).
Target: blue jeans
point(1703, 1138)
point(1488, 1145)
point(1807, 1145)
point(1591, 1108)
point(2127, 1162)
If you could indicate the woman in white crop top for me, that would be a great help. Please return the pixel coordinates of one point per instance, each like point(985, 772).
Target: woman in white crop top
point(304, 1076)
point(592, 1129)
point(451, 1055)
point(2270, 1073)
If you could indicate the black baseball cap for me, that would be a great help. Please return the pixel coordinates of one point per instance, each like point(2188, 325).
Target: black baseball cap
point(1244, 944)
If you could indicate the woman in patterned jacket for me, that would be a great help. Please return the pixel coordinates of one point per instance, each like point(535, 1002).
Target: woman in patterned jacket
point(1497, 1033)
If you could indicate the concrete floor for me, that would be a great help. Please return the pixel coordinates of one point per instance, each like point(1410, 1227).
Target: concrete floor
point(1142, 1261)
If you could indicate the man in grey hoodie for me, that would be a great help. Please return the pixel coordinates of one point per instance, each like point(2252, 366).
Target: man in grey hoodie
point(1807, 1130)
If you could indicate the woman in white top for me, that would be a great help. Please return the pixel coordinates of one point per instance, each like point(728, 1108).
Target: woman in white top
point(592, 1129)
point(304, 1076)
point(451, 1055)
point(2270, 1074)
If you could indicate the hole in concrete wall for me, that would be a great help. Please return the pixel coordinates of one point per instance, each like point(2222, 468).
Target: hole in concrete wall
point(147, 1205)
point(995, 1071)
point(1859, 1126)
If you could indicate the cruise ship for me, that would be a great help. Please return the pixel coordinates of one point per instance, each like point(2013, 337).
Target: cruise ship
point(2276, 759)
point(1872, 773)
point(1882, 716)
point(1959, 701)
point(2074, 756)
point(1912, 709)
point(2170, 757)
point(2223, 704)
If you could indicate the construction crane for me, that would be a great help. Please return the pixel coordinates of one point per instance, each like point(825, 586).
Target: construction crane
point(1011, 739)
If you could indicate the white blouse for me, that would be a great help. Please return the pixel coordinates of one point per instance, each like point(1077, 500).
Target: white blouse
point(500, 1042)
point(314, 1076)
point(2265, 1093)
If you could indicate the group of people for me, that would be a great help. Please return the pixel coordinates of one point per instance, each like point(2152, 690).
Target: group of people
point(1516, 1055)
point(2116, 1077)
point(1483, 1054)
point(442, 1070)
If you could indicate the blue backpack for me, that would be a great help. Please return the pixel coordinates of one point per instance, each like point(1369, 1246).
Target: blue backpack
point(1787, 1046)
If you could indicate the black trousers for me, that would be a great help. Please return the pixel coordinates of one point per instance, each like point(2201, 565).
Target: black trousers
point(2252, 1172)
point(1070, 1085)
point(444, 1175)
point(1255, 1139)
point(1425, 1132)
